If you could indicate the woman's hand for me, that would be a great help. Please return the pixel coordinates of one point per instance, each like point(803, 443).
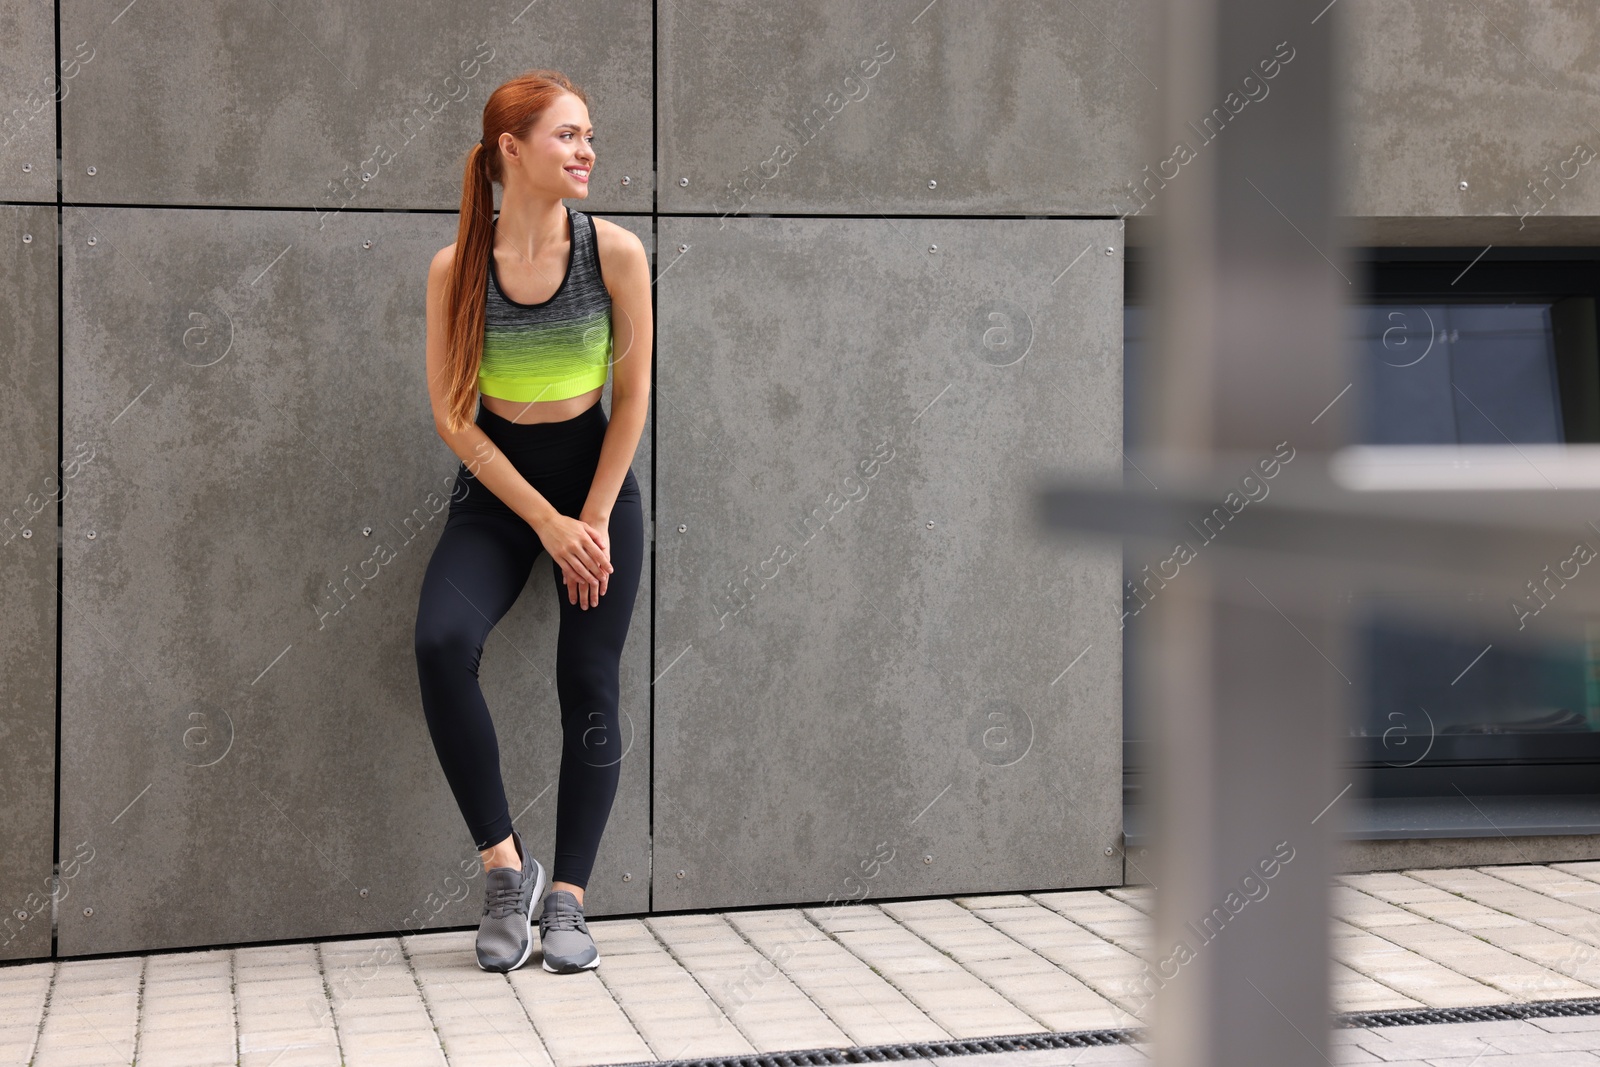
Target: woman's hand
point(583, 552)
point(600, 530)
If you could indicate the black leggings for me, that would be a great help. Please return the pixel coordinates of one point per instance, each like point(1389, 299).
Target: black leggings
point(484, 556)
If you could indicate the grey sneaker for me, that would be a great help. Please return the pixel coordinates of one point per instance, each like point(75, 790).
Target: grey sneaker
point(564, 936)
point(505, 934)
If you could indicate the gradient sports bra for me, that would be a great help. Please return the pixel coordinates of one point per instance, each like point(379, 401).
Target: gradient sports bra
point(554, 350)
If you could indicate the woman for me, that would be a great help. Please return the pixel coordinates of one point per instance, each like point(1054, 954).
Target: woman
point(529, 310)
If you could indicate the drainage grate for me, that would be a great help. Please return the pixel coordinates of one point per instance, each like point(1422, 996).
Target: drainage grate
point(918, 1050)
point(915, 1050)
point(1533, 1009)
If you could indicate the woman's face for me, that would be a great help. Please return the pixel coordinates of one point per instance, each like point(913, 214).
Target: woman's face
point(558, 156)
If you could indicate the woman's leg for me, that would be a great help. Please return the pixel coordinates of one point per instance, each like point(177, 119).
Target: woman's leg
point(588, 656)
point(477, 570)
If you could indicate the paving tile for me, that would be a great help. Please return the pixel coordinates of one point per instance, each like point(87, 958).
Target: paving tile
point(85, 987)
point(507, 1049)
point(396, 1058)
point(951, 996)
point(1114, 1055)
point(1417, 1042)
point(1111, 971)
point(1562, 1024)
point(93, 1057)
point(187, 1056)
point(750, 987)
point(1141, 898)
point(575, 1015)
point(184, 1014)
point(1047, 993)
point(286, 1016)
point(1410, 974)
point(22, 999)
point(25, 972)
point(861, 1003)
point(413, 1039)
point(16, 1035)
point(378, 1012)
point(1529, 1039)
point(185, 1037)
point(294, 986)
point(475, 1012)
point(16, 1054)
point(292, 1057)
point(1552, 899)
point(1469, 953)
point(1106, 917)
point(109, 966)
point(93, 1013)
point(261, 955)
point(269, 978)
point(1354, 991)
point(309, 1037)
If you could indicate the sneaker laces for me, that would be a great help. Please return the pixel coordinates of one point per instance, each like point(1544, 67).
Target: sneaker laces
point(559, 918)
point(501, 901)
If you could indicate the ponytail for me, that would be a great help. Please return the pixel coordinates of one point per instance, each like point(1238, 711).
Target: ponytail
point(512, 108)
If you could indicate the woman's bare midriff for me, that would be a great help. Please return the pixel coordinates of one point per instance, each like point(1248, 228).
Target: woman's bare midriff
point(542, 410)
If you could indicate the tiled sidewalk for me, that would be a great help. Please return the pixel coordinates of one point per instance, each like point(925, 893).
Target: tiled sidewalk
point(677, 986)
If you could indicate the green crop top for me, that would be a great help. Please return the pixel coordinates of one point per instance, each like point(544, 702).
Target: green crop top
point(554, 350)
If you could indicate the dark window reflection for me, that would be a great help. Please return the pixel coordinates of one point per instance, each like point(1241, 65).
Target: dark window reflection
point(1481, 692)
point(1453, 374)
point(1520, 703)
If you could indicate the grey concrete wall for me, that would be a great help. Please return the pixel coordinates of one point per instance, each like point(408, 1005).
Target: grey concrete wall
point(1027, 107)
point(872, 673)
point(248, 199)
point(351, 106)
point(1465, 121)
point(243, 562)
point(33, 487)
point(33, 89)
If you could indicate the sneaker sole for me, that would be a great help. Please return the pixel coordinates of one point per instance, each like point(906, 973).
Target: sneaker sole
point(538, 887)
point(591, 965)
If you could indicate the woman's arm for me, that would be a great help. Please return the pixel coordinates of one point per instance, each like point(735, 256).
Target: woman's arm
point(625, 269)
point(484, 461)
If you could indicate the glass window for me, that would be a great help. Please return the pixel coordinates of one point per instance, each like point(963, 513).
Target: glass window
point(1452, 349)
point(1457, 374)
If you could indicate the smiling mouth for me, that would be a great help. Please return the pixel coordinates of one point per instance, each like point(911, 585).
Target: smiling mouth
point(578, 172)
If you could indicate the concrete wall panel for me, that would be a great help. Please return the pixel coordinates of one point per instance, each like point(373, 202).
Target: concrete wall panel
point(32, 484)
point(1028, 107)
point(243, 743)
point(333, 107)
point(28, 99)
point(1499, 95)
point(872, 674)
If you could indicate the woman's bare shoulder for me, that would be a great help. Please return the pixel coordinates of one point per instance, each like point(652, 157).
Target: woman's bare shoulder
point(616, 244)
point(441, 265)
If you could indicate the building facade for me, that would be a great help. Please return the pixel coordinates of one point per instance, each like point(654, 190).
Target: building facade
point(897, 252)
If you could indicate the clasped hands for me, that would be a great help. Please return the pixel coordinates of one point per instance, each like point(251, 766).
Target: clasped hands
point(581, 547)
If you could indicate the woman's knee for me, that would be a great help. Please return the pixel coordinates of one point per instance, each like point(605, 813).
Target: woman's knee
point(446, 643)
point(590, 679)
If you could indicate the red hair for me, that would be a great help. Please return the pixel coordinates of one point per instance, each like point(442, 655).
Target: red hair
point(512, 108)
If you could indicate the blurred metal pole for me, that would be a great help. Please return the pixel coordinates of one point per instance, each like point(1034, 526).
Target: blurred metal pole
point(1249, 672)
